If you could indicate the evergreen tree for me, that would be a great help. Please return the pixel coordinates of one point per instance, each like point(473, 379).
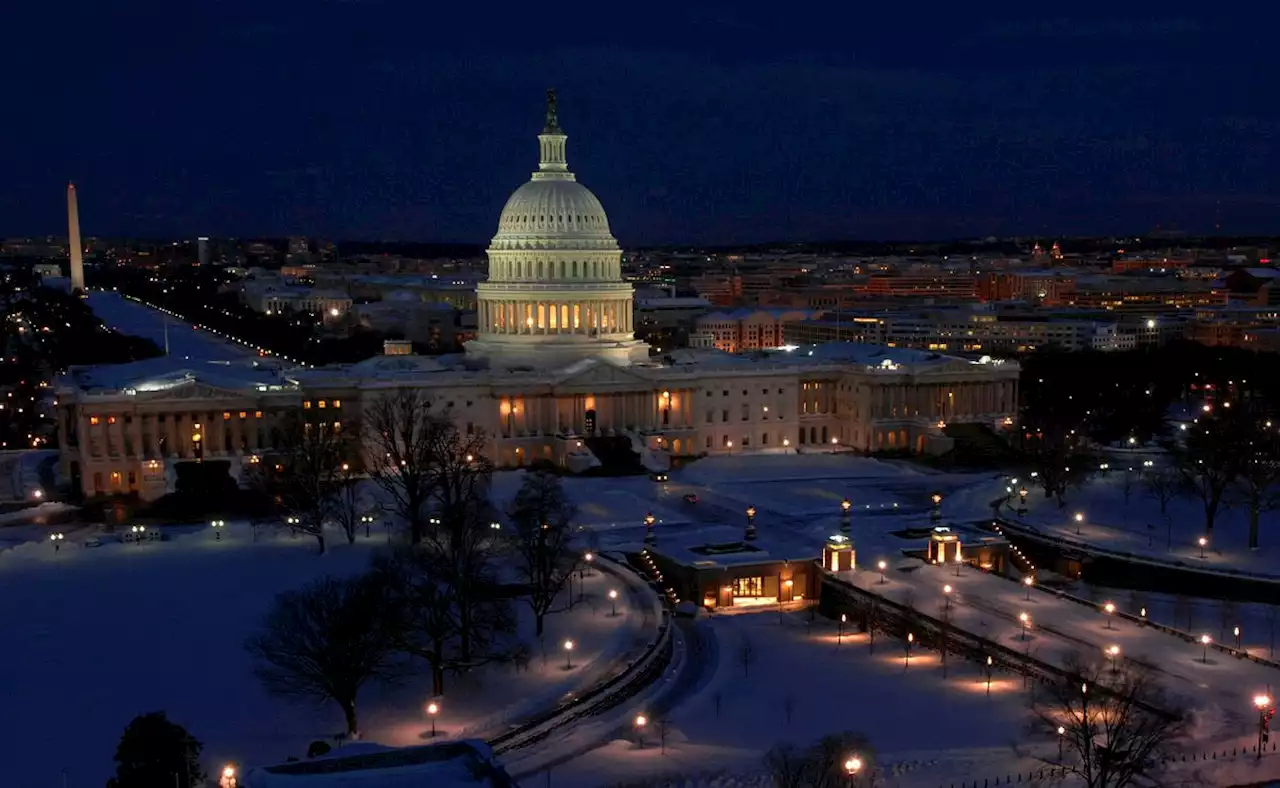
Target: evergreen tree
point(157, 753)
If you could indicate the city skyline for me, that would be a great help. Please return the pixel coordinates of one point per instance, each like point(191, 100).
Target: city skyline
point(696, 126)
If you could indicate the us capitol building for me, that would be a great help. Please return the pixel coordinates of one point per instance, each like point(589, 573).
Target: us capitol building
point(555, 370)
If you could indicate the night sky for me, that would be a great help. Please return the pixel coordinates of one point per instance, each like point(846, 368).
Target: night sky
point(735, 123)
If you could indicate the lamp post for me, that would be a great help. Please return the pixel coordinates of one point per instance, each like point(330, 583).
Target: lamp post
point(988, 676)
point(641, 721)
point(1236, 632)
point(1110, 609)
point(1024, 620)
point(1266, 711)
point(844, 618)
point(613, 602)
point(588, 558)
point(935, 515)
point(1027, 582)
point(1204, 641)
point(959, 560)
point(881, 566)
point(851, 768)
point(911, 638)
point(846, 525)
point(56, 539)
point(751, 523)
point(649, 536)
point(1022, 500)
point(433, 709)
point(1202, 541)
point(946, 596)
point(1079, 518)
point(228, 778)
point(367, 521)
point(568, 655)
point(217, 526)
point(1062, 735)
point(1113, 652)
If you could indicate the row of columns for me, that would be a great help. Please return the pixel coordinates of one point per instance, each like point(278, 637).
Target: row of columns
point(550, 415)
point(546, 318)
point(142, 436)
point(947, 401)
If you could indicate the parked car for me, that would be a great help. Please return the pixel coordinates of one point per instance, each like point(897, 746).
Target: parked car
point(658, 477)
point(691, 498)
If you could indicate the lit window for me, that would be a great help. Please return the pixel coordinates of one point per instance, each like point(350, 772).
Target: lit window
point(93, 420)
point(321, 403)
point(337, 426)
point(226, 415)
point(257, 414)
point(337, 403)
point(243, 414)
point(306, 404)
point(111, 419)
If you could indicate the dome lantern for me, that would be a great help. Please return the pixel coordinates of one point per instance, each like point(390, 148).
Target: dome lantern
point(551, 145)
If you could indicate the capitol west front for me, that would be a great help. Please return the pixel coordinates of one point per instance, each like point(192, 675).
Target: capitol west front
point(555, 369)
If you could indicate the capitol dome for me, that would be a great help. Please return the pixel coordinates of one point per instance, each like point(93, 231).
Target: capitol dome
point(555, 292)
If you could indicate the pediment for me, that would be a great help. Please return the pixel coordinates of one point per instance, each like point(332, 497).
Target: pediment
point(185, 390)
point(599, 375)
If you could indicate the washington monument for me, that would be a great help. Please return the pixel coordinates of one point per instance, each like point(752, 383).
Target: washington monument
point(73, 241)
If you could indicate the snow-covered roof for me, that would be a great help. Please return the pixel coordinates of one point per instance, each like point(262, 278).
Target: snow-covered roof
point(723, 546)
point(446, 765)
point(156, 374)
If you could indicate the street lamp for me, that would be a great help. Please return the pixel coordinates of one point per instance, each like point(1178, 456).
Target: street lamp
point(1079, 519)
point(1062, 735)
point(1110, 609)
point(1262, 703)
point(56, 539)
point(881, 565)
point(844, 619)
point(988, 676)
point(936, 514)
point(1024, 620)
point(1112, 653)
point(946, 595)
point(851, 767)
point(228, 779)
point(433, 709)
point(845, 524)
point(1205, 640)
point(649, 520)
point(613, 601)
point(568, 655)
point(1028, 581)
point(641, 721)
point(367, 521)
point(217, 526)
point(911, 638)
point(751, 523)
point(1202, 541)
point(588, 558)
point(1236, 632)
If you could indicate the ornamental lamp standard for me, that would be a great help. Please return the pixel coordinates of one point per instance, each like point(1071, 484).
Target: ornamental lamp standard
point(1266, 711)
point(852, 766)
point(613, 601)
point(1028, 582)
point(56, 540)
point(911, 638)
point(1236, 632)
point(1113, 652)
point(568, 655)
point(1062, 735)
point(228, 778)
point(881, 566)
point(367, 521)
point(946, 595)
point(1202, 541)
point(587, 558)
point(1205, 640)
point(1079, 518)
point(936, 513)
point(751, 524)
point(844, 619)
point(640, 722)
point(846, 525)
point(1110, 609)
point(1024, 620)
point(649, 536)
point(988, 676)
point(433, 708)
point(217, 526)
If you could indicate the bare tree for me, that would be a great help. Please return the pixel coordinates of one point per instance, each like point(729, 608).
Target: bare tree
point(303, 473)
point(349, 503)
point(325, 641)
point(1163, 484)
point(398, 426)
point(746, 655)
point(542, 530)
point(422, 611)
point(788, 765)
point(1208, 462)
point(1116, 725)
point(1258, 474)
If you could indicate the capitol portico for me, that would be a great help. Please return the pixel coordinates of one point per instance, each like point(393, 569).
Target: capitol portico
point(555, 371)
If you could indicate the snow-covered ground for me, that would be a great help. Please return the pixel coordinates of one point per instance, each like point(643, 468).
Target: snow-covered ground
point(1134, 524)
point(131, 317)
point(99, 635)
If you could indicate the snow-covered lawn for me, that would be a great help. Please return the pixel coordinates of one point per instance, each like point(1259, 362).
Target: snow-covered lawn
point(1136, 525)
point(804, 685)
point(99, 635)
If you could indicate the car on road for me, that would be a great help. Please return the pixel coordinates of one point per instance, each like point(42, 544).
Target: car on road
point(691, 498)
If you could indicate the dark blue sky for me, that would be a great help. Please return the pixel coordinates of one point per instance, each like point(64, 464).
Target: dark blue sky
point(692, 122)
